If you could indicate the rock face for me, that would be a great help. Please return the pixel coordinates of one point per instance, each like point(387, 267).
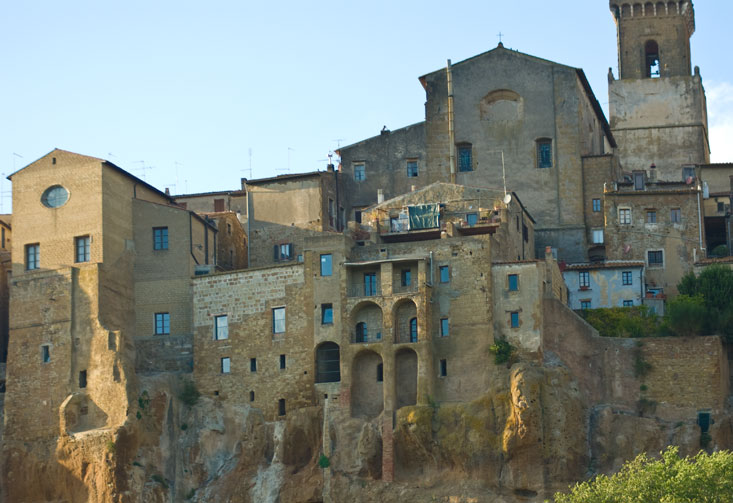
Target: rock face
point(530, 435)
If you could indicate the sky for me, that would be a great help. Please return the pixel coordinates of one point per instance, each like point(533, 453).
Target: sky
point(196, 95)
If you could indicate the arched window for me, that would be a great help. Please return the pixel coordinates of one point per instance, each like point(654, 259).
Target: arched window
point(413, 330)
point(651, 50)
point(328, 363)
point(361, 332)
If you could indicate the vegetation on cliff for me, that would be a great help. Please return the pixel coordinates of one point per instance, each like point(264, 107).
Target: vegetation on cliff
point(704, 478)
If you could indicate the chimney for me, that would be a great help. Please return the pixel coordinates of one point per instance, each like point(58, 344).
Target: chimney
point(653, 173)
point(330, 168)
point(412, 188)
point(380, 196)
point(167, 191)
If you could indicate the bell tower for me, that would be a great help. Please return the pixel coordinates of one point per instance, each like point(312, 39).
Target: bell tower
point(657, 106)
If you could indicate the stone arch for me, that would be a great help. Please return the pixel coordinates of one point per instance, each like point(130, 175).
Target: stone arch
point(501, 106)
point(403, 313)
point(366, 322)
point(328, 362)
point(671, 8)
point(626, 10)
point(648, 9)
point(637, 10)
point(367, 396)
point(406, 362)
point(652, 62)
point(661, 9)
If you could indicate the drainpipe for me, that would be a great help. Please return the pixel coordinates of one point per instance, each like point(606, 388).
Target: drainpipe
point(248, 193)
point(451, 125)
point(699, 223)
point(431, 268)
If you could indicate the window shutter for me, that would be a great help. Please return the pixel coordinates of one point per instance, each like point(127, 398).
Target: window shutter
point(276, 252)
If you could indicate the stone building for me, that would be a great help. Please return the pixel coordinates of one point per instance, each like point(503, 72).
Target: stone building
point(657, 106)
point(100, 290)
point(284, 210)
point(500, 118)
point(605, 284)
point(657, 222)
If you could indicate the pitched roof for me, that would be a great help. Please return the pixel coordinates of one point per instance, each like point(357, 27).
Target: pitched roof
point(610, 264)
point(104, 162)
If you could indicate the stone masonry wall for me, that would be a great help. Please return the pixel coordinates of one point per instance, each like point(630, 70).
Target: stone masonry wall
point(247, 299)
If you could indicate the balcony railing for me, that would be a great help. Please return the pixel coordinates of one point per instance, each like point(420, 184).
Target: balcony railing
point(366, 337)
point(411, 288)
point(364, 290)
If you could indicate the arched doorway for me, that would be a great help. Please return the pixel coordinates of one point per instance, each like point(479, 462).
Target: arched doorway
point(366, 323)
point(367, 397)
point(405, 316)
point(406, 377)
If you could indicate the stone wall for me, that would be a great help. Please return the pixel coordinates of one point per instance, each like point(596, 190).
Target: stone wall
point(247, 298)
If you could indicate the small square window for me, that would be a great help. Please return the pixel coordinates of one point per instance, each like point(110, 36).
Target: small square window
point(584, 279)
point(444, 327)
point(45, 353)
point(513, 282)
point(162, 323)
point(675, 215)
point(544, 153)
point(624, 216)
point(596, 205)
point(443, 368)
point(226, 365)
point(81, 245)
point(626, 278)
point(326, 314)
point(32, 257)
point(597, 236)
point(326, 265)
point(282, 362)
point(651, 217)
point(359, 172)
point(584, 304)
point(412, 168)
point(444, 274)
point(465, 158)
point(283, 251)
point(221, 327)
point(514, 319)
point(278, 320)
point(253, 364)
point(405, 277)
point(160, 238)
point(471, 219)
point(628, 303)
point(655, 258)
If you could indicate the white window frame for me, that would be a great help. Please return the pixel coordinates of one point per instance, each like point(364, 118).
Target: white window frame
point(624, 216)
point(220, 335)
point(278, 323)
point(596, 234)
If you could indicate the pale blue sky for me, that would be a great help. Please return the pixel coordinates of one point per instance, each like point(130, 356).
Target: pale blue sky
point(185, 89)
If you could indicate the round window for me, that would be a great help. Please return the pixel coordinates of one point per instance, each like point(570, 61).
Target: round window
point(55, 196)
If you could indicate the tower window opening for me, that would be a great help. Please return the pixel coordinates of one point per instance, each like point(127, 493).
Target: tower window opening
point(652, 60)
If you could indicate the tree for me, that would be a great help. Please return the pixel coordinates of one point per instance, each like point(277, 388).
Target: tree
point(704, 478)
point(715, 287)
point(685, 316)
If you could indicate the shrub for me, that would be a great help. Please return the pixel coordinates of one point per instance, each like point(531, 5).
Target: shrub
point(720, 251)
point(635, 321)
point(189, 394)
point(502, 351)
point(324, 462)
point(685, 316)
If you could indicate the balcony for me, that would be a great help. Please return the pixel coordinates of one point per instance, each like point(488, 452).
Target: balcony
point(397, 230)
point(364, 290)
point(366, 336)
point(401, 289)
